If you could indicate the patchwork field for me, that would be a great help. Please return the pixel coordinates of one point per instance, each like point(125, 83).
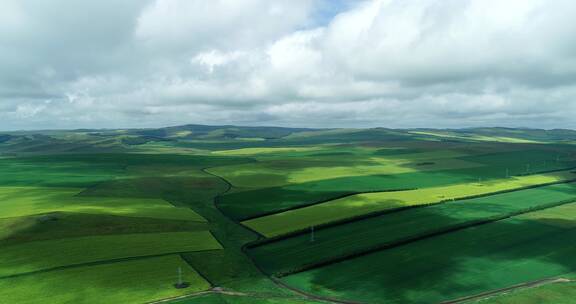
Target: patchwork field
point(56, 253)
point(332, 243)
point(281, 215)
point(361, 204)
point(459, 264)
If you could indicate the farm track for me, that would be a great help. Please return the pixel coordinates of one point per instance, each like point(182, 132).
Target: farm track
point(216, 201)
point(277, 282)
point(250, 295)
point(491, 293)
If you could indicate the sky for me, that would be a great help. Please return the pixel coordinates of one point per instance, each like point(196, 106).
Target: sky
point(299, 63)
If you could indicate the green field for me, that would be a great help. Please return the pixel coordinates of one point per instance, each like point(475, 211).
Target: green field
point(21, 258)
point(494, 165)
point(109, 216)
point(356, 237)
point(138, 281)
point(463, 263)
point(561, 290)
point(23, 201)
point(357, 205)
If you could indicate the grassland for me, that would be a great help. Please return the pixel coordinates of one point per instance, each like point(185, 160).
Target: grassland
point(361, 204)
point(294, 253)
point(135, 281)
point(16, 259)
point(561, 290)
point(280, 172)
point(466, 262)
point(91, 216)
point(22, 201)
point(491, 164)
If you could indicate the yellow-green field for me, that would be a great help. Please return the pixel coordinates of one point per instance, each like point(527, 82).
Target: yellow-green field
point(23, 201)
point(39, 255)
point(356, 205)
point(136, 281)
point(273, 173)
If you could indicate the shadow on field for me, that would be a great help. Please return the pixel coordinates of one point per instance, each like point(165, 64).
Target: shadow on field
point(57, 225)
point(449, 266)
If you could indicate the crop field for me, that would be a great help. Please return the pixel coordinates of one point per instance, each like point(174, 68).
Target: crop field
point(280, 172)
point(23, 201)
point(281, 215)
point(56, 253)
point(293, 253)
point(493, 165)
point(135, 281)
point(466, 262)
point(361, 204)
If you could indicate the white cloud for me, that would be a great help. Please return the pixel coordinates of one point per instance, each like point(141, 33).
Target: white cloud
point(390, 63)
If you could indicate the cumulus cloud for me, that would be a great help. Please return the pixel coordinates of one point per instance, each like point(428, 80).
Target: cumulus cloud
point(356, 63)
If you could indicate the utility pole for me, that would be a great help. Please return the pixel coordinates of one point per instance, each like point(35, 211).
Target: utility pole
point(311, 233)
point(507, 173)
point(181, 284)
point(527, 168)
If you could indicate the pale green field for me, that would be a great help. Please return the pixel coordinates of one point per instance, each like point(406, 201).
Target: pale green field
point(274, 174)
point(39, 255)
point(264, 150)
point(137, 281)
point(477, 137)
point(356, 205)
point(23, 201)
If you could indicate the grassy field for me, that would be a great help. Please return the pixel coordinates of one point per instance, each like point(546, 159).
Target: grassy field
point(137, 281)
point(490, 163)
point(294, 170)
point(357, 205)
point(562, 291)
point(356, 237)
point(22, 201)
point(463, 263)
point(22, 258)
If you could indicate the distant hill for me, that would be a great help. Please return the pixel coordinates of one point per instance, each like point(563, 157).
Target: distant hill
point(228, 136)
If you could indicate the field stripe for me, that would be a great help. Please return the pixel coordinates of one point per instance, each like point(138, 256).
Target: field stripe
point(434, 233)
point(363, 204)
point(23, 258)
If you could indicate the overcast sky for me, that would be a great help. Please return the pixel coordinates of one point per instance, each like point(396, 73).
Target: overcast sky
point(313, 63)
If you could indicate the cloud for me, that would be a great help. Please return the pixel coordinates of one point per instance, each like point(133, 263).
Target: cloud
point(393, 63)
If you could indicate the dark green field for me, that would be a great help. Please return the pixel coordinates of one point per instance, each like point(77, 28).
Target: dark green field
point(94, 216)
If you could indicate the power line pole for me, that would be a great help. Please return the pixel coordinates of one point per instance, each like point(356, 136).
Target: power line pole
point(311, 233)
point(179, 276)
point(507, 173)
